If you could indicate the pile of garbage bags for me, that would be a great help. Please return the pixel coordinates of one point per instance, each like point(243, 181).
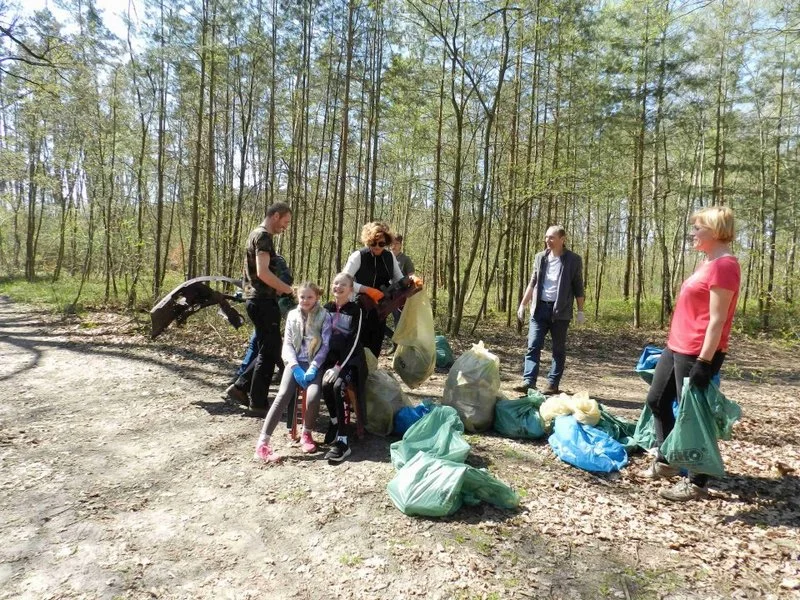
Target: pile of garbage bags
point(581, 432)
point(432, 479)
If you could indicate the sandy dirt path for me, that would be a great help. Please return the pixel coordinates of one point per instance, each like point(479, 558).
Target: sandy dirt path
point(124, 475)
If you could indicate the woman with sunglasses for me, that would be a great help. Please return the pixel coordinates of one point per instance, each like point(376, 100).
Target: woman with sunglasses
point(698, 337)
point(373, 267)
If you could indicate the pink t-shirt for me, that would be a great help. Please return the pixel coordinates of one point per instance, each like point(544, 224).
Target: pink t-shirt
point(691, 317)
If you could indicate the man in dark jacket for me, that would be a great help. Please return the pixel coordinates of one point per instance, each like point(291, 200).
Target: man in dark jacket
point(556, 282)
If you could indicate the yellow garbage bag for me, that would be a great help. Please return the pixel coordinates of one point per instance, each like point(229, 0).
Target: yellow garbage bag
point(415, 357)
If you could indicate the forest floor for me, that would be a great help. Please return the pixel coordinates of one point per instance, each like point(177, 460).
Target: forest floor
point(125, 475)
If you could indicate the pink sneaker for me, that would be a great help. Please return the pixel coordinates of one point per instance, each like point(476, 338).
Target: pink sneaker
point(307, 444)
point(265, 452)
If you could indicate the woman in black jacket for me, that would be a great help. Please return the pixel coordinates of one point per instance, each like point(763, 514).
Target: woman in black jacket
point(372, 268)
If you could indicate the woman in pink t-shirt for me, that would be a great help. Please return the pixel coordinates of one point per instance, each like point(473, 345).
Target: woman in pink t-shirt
point(698, 336)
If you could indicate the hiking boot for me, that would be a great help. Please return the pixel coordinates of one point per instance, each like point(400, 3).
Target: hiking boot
point(330, 435)
point(684, 490)
point(307, 444)
point(550, 389)
point(659, 470)
point(338, 452)
point(237, 395)
point(523, 387)
point(264, 452)
point(257, 411)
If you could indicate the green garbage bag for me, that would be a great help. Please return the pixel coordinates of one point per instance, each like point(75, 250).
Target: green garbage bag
point(621, 430)
point(444, 353)
point(480, 486)
point(644, 435)
point(434, 487)
point(692, 444)
point(726, 412)
point(519, 418)
point(472, 386)
point(439, 433)
point(415, 357)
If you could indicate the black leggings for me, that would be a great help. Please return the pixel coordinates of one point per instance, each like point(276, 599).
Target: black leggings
point(667, 385)
point(333, 394)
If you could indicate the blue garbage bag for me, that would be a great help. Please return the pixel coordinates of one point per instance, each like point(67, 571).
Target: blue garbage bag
point(408, 415)
point(647, 362)
point(586, 447)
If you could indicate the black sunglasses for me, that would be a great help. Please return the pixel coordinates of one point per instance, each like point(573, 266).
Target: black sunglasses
point(378, 244)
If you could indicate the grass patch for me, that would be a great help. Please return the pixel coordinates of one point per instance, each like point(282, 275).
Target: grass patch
point(647, 584)
point(61, 296)
point(351, 560)
point(474, 537)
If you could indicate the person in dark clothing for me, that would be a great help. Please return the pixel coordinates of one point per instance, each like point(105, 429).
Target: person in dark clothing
point(556, 282)
point(239, 386)
point(407, 268)
point(373, 267)
point(261, 289)
point(345, 364)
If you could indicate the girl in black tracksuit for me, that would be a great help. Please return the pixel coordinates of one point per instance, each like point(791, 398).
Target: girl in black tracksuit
point(345, 363)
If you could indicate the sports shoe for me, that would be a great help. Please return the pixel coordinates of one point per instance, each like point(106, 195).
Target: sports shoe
point(684, 490)
point(550, 389)
point(659, 470)
point(338, 452)
point(523, 387)
point(307, 444)
point(237, 395)
point(265, 453)
point(330, 435)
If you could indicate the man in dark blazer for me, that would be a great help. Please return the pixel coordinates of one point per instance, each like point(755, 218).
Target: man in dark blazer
point(556, 282)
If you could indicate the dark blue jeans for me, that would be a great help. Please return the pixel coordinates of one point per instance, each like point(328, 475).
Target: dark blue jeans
point(541, 323)
point(249, 356)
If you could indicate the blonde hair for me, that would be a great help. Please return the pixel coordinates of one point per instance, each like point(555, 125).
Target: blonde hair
point(374, 232)
point(347, 277)
point(309, 285)
point(719, 219)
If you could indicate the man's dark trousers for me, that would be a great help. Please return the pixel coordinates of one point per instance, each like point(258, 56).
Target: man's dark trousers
point(266, 317)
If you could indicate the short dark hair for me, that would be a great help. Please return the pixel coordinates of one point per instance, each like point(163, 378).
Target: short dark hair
point(281, 208)
point(398, 238)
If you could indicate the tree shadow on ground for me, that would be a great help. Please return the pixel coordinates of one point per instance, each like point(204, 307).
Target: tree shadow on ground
point(766, 501)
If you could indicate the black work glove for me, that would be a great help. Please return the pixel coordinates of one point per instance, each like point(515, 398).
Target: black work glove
point(701, 373)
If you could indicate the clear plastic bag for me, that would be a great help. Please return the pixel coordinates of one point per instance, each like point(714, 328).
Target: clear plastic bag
point(472, 387)
point(383, 397)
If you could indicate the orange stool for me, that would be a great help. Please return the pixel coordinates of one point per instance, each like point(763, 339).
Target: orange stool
point(351, 406)
point(299, 412)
